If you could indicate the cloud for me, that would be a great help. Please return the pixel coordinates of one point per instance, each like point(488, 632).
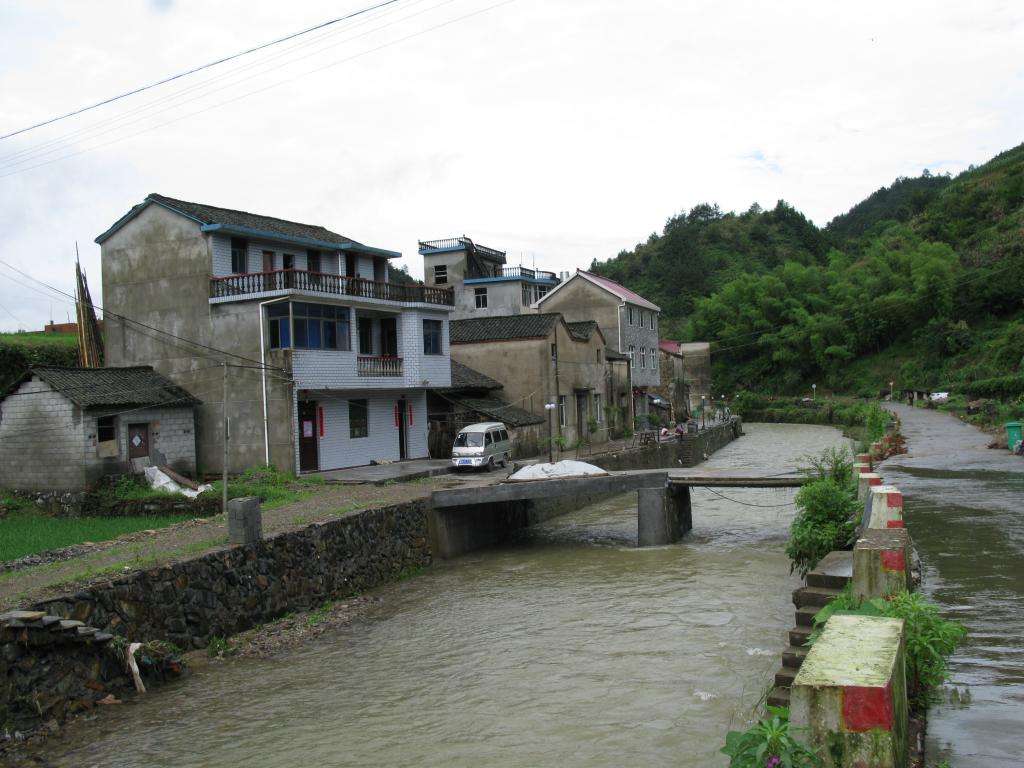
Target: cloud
point(162, 5)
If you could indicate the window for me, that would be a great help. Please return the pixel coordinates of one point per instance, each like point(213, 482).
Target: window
point(597, 354)
point(287, 261)
point(105, 431)
point(643, 357)
point(542, 291)
point(358, 419)
point(489, 440)
point(321, 326)
point(598, 410)
point(630, 311)
point(527, 295)
point(561, 410)
point(432, 330)
point(654, 358)
point(364, 326)
point(441, 274)
point(503, 434)
point(554, 352)
point(239, 248)
point(279, 326)
point(480, 294)
point(632, 354)
point(313, 261)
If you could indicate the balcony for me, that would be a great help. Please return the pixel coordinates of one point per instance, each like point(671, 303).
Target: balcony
point(385, 365)
point(460, 243)
point(524, 273)
point(239, 286)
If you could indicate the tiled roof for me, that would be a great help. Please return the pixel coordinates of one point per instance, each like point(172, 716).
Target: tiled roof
point(611, 354)
point(499, 410)
point(502, 328)
point(582, 330)
point(112, 387)
point(611, 286)
point(667, 345)
point(244, 222)
point(464, 377)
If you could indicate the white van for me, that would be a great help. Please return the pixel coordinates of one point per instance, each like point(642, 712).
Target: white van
point(482, 445)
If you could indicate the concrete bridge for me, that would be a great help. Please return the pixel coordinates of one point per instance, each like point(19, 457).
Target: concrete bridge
point(465, 519)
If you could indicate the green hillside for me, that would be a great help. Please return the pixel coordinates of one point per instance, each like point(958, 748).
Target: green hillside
point(922, 283)
point(20, 350)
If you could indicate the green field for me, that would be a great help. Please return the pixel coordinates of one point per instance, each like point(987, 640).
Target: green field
point(38, 338)
point(27, 532)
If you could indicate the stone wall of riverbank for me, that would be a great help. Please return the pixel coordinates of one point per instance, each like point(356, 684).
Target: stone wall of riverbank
point(686, 451)
point(231, 590)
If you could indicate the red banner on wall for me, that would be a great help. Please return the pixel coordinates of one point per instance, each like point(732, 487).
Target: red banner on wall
point(320, 418)
point(397, 415)
point(410, 413)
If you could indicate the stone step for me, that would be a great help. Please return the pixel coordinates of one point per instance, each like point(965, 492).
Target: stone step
point(798, 635)
point(834, 571)
point(805, 616)
point(794, 656)
point(817, 597)
point(784, 677)
point(779, 697)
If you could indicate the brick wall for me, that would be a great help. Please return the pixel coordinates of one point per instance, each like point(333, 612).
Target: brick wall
point(646, 338)
point(171, 432)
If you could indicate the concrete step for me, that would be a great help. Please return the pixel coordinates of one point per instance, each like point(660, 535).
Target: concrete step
point(817, 597)
point(779, 697)
point(784, 677)
point(794, 656)
point(833, 572)
point(805, 616)
point(798, 635)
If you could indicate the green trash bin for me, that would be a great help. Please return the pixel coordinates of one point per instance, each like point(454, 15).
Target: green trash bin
point(1013, 434)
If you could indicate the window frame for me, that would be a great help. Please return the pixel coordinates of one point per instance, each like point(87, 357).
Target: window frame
point(598, 408)
point(629, 312)
point(440, 274)
point(429, 335)
point(562, 422)
point(239, 250)
point(478, 294)
point(354, 418)
point(340, 317)
point(110, 426)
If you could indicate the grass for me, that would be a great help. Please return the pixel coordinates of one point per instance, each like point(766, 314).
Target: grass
point(25, 532)
point(38, 338)
point(273, 487)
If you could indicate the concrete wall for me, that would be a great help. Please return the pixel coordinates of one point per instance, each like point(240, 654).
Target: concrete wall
point(43, 443)
point(697, 369)
point(337, 449)
point(171, 433)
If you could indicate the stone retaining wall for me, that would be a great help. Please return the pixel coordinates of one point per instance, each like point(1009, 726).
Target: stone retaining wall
point(231, 590)
point(686, 451)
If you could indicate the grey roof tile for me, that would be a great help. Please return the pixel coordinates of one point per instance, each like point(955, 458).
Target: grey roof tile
point(502, 328)
point(139, 386)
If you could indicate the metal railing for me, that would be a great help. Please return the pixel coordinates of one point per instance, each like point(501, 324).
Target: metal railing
point(527, 273)
point(321, 282)
point(379, 366)
point(461, 242)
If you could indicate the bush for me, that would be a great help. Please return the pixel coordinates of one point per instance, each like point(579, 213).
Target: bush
point(828, 514)
point(270, 485)
point(768, 744)
point(832, 463)
point(930, 639)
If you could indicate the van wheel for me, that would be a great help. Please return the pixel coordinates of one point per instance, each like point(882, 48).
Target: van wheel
point(504, 461)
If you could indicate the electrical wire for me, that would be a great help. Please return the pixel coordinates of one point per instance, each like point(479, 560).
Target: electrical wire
point(263, 89)
point(200, 68)
point(746, 503)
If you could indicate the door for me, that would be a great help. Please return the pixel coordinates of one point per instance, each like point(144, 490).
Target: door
point(401, 409)
point(581, 415)
point(389, 337)
point(309, 460)
point(268, 267)
point(138, 441)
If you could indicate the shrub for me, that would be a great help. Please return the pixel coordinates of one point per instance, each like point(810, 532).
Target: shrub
point(930, 639)
point(832, 463)
point(828, 512)
point(768, 744)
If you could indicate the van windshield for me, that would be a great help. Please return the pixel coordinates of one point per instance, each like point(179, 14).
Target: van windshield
point(469, 440)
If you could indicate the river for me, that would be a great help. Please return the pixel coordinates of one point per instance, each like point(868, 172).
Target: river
point(963, 506)
point(568, 647)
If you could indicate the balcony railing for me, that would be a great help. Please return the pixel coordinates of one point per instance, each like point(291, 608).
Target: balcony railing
point(461, 242)
point(321, 282)
point(379, 366)
point(527, 273)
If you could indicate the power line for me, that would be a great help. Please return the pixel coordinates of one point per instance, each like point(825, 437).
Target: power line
point(198, 69)
point(263, 89)
point(117, 122)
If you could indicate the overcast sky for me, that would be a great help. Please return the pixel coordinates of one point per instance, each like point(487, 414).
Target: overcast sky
point(562, 130)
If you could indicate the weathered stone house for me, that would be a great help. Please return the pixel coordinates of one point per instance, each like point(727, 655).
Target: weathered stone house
point(541, 358)
point(696, 357)
point(628, 321)
point(673, 388)
point(62, 429)
point(332, 359)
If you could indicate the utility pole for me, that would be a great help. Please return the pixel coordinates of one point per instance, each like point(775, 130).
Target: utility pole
point(224, 494)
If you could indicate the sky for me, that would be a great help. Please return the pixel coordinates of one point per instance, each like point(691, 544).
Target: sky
point(561, 131)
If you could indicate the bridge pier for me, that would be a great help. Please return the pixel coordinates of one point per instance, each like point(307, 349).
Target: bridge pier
point(663, 515)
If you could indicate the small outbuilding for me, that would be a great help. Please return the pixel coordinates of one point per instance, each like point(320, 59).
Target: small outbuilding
point(65, 428)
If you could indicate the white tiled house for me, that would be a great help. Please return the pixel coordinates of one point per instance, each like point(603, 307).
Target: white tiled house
point(350, 354)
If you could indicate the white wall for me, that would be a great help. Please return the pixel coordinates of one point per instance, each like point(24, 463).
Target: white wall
point(338, 450)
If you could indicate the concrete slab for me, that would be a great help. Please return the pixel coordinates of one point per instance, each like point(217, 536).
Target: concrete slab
point(399, 472)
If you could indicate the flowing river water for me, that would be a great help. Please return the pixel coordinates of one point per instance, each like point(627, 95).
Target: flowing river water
point(570, 647)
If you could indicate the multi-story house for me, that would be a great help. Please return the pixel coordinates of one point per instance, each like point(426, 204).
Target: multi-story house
point(484, 285)
point(330, 360)
point(540, 358)
point(628, 321)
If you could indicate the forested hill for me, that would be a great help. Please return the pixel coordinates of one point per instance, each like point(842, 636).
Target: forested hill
point(929, 270)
